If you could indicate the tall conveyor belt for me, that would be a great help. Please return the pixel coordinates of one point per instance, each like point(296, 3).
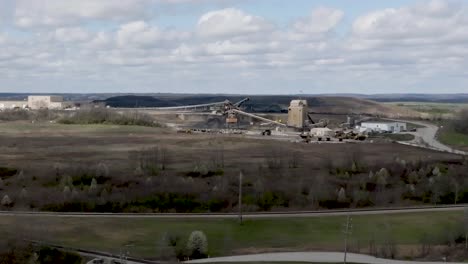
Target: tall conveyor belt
point(258, 117)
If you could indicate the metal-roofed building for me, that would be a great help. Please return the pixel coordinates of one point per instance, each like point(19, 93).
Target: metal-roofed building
point(45, 102)
point(13, 104)
point(382, 126)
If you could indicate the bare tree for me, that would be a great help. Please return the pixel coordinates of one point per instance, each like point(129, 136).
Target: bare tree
point(294, 160)
point(425, 245)
point(217, 155)
point(152, 160)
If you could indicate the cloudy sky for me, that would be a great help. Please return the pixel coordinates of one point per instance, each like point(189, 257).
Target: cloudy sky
point(234, 46)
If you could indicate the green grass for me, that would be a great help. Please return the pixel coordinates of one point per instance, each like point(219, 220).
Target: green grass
point(410, 126)
point(447, 135)
point(226, 235)
point(399, 137)
point(452, 138)
point(431, 108)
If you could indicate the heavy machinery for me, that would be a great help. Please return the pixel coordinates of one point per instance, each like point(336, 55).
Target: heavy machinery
point(349, 134)
point(320, 133)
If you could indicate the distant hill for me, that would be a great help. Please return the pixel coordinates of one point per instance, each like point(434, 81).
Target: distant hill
point(432, 98)
point(350, 105)
point(135, 101)
point(190, 98)
point(269, 104)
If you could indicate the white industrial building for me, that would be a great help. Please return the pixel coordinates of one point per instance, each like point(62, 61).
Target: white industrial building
point(36, 102)
point(392, 127)
point(13, 104)
point(45, 102)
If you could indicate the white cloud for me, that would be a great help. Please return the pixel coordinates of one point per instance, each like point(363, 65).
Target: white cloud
point(3, 38)
point(231, 22)
point(99, 41)
point(321, 20)
point(229, 47)
point(114, 43)
point(140, 33)
point(30, 13)
point(73, 34)
point(433, 21)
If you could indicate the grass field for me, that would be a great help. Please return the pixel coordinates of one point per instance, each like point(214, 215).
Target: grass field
point(49, 154)
point(226, 236)
point(449, 136)
point(452, 138)
point(399, 137)
point(431, 108)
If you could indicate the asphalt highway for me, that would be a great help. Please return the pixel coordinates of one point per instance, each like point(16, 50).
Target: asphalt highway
point(315, 257)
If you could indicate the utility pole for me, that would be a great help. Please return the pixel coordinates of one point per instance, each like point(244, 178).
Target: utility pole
point(347, 230)
point(240, 197)
point(465, 224)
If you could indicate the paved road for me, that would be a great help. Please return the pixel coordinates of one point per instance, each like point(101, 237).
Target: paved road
point(426, 137)
point(107, 260)
point(321, 257)
point(246, 215)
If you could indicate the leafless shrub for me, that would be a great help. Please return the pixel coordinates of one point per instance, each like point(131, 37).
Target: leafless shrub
point(217, 155)
point(151, 161)
point(274, 158)
point(66, 180)
point(66, 192)
point(102, 170)
point(388, 249)
point(14, 115)
point(23, 195)
point(341, 195)
point(106, 116)
point(20, 176)
point(293, 161)
point(6, 201)
point(93, 186)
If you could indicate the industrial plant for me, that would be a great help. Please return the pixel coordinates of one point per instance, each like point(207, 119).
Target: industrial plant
point(231, 117)
point(36, 102)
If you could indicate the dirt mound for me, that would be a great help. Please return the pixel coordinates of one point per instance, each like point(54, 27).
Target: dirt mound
point(134, 101)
